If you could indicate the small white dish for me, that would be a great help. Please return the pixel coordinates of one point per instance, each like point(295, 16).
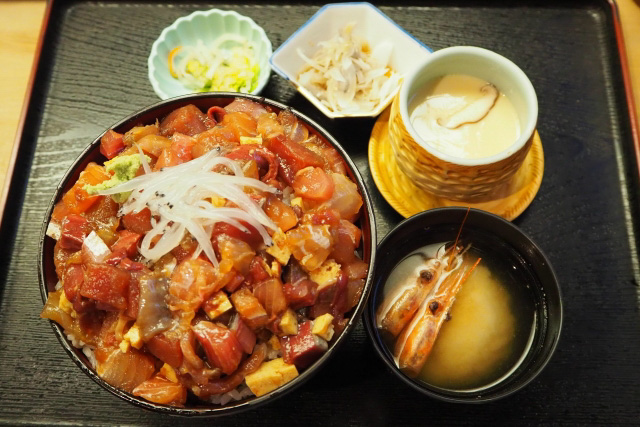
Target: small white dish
point(206, 26)
point(370, 24)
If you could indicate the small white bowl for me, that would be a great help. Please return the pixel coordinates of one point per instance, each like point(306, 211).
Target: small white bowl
point(206, 26)
point(370, 24)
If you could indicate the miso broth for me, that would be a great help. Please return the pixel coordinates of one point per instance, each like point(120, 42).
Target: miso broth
point(488, 329)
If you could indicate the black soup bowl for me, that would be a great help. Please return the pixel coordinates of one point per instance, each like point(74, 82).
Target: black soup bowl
point(149, 115)
point(497, 242)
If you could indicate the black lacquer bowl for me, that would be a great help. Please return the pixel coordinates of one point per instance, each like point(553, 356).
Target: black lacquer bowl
point(48, 278)
point(502, 239)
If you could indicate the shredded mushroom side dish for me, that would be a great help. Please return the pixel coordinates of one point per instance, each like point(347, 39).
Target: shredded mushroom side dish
point(347, 75)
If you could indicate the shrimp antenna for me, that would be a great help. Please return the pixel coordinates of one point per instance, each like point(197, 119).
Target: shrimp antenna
point(455, 244)
point(468, 273)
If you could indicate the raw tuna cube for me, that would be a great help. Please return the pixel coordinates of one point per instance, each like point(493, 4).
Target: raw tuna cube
point(244, 335)
point(249, 308)
point(74, 229)
point(220, 344)
point(270, 295)
point(72, 281)
point(111, 144)
point(106, 284)
point(303, 349)
point(166, 348)
point(302, 294)
point(188, 120)
point(127, 242)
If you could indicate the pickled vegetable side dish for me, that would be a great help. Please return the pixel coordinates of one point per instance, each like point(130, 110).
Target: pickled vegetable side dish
point(228, 64)
point(213, 256)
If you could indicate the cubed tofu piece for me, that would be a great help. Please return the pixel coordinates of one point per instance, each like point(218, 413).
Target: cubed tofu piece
point(218, 304)
point(323, 327)
point(289, 323)
point(274, 343)
point(326, 275)
point(124, 345)
point(270, 375)
point(169, 373)
point(280, 250)
point(54, 230)
point(95, 248)
point(251, 140)
point(134, 337)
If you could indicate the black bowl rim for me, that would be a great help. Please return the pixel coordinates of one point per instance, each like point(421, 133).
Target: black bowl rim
point(464, 397)
point(252, 402)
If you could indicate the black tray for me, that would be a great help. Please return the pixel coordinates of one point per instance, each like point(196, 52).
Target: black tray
point(92, 72)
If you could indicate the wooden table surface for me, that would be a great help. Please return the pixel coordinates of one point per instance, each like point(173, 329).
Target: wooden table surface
point(21, 21)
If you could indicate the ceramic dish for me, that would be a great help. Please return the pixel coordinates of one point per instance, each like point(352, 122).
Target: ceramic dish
point(206, 26)
point(447, 169)
point(48, 277)
point(530, 276)
point(370, 24)
point(508, 201)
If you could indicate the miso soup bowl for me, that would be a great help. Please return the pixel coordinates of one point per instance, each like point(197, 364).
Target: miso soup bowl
point(504, 239)
point(457, 178)
point(195, 408)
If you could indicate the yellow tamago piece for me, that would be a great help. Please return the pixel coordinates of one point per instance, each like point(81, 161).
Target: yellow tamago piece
point(218, 202)
point(323, 327)
point(220, 303)
point(134, 337)
point(276, 269)
point(65, 305)
point(274, 343)
point(169, 373)
point(279, 250)
point(251, 140)
point(271, 375)
point(122, 322)
point(297, 201)
point(326, 275)
point(289, 323)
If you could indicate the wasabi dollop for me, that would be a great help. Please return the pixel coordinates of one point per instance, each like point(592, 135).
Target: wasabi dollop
point(124, 168)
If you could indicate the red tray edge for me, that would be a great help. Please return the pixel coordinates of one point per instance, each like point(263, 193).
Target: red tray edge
point(626, 77)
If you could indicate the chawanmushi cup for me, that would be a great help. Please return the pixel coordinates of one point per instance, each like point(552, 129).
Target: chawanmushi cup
point(501, 238)
point(457, 178)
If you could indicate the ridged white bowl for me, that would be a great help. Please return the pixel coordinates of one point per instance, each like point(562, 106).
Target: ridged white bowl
point(206, 26)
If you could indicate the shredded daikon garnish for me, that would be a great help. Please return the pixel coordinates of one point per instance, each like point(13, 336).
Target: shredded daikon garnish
point(228, 64)
point(347, 76)
point(179, 198)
